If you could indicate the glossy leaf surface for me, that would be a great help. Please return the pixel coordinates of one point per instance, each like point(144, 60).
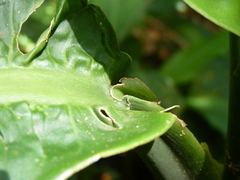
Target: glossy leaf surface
point(57, 111)
point(225, 13)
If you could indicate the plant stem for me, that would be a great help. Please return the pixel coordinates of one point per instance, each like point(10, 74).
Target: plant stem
point(233, 147)
point(178, 155)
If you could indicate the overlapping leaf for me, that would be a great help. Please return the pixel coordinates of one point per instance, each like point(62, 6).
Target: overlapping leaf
point(224, 13)
point(134, 12)
point(57, 112)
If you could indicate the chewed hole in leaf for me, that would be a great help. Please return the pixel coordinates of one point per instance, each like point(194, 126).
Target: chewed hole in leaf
point(34, 26)
point(107, 119)
point(104, 113)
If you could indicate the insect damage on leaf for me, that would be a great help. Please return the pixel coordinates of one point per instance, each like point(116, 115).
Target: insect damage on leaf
point(107, 118)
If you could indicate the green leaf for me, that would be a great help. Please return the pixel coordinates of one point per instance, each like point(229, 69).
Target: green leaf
point(213, 108)
point(224, 13)
point(12, 15)
point(134, 87)
point(55, 141)
point(209, 94)
point(169, 159)
point(183, 66)
point(134, 12)
point(57, 112)
point(65, 8)
point(92, 37)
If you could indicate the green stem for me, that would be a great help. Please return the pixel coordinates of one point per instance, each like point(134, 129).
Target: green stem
point(234, 109)
point(178, 155)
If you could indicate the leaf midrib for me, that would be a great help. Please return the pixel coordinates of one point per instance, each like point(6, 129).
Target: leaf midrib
point(51, 87)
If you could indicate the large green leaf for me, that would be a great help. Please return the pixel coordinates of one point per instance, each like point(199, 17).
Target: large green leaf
point(225, 13)
point(58, 110)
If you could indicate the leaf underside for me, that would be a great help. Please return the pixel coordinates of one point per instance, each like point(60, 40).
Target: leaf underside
point(58, 113)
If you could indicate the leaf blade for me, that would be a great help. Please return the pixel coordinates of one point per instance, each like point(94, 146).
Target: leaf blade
point(12, 15)
point(59, 100)
point(224, 13)
point(45, 151)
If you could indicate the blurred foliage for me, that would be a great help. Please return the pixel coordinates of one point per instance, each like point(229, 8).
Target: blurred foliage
point(179, 54)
